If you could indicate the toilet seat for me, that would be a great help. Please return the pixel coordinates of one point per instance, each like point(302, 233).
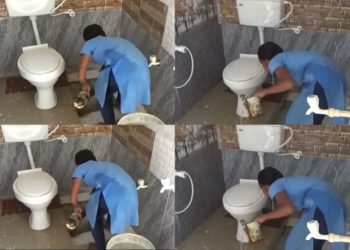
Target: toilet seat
point(41, 60)
point(34, 187)
point(34, 184)
point(243, 71)
point(243, 195)
point(40, 64)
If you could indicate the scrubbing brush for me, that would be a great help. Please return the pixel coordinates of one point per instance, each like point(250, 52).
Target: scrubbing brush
point(253, 230)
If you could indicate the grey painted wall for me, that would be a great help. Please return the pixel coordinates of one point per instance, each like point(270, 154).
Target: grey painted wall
point(62, 33)
point(205, 168)
point(55, 157)
point(156, 209)
point(206, 44)
point(241, 164)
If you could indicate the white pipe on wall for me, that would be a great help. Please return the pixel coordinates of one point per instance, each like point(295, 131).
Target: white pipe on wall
point(35, 29)
point(30, 155)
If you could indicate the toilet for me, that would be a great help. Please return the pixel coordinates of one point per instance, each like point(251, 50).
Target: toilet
point(36, 189)
point(42, 66)
point(245, 75)
point(244, 202)
point(33, 187)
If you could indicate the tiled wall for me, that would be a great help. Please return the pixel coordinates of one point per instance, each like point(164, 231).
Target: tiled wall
point(138, 140)
point(156, 17)
point(156, 210)
point(77, 5)
point(190, 138)
point(316, 15)
point(323, 141)
point(73, 131)
point(163, 156)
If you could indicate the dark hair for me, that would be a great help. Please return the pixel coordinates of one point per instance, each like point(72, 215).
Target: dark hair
point(268, 50)
point(92, 31)
point(268, 176)
point(83, 156)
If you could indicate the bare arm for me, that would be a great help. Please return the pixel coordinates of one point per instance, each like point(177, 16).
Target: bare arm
point(85, 61)
point(284, 83)
point(284, 208)
point(77, 183)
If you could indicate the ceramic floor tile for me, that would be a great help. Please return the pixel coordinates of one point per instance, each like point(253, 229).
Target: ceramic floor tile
point(219, 107)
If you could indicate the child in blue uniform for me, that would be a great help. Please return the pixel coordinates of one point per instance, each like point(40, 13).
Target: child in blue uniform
point(316, 74)
point(114, 193)
point(125, 70)
point(311, 196)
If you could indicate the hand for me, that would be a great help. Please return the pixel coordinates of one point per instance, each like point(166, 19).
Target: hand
point(260, 219)
point(78, 209)
point(87, 87)
point(260, 94)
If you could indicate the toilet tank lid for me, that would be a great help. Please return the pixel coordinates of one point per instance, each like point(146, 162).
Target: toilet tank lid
point(243, 69)
point(243, 194)
point(34, 184)
point(39, 59)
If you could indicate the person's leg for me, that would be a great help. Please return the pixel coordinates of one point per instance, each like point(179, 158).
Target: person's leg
point(98, 231)
point(107, 110)
point(319, 216)
point(323, 103)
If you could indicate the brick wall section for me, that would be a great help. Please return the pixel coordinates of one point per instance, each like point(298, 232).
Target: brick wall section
point(78, 5)
point(150, 14)
point(316, 15)
point(138, 140)
point(74, 131)
point(323, 141)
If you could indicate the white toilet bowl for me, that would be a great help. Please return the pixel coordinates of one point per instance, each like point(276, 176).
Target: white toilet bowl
point(244, 76)
point(244, 202)
point(42, 66)
point(36, 189)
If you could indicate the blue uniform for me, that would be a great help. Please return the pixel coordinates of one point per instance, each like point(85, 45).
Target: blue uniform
point(119, 192)
point(307, 69)
point(129, 67)
point(308, 194)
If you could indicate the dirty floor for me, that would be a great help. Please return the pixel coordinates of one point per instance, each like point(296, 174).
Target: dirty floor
point(219, 107)
point(219, 232)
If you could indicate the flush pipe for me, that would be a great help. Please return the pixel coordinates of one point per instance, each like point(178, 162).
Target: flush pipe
point(30, 155)
point(261, 160)
point(261, 35)
point(35, 29)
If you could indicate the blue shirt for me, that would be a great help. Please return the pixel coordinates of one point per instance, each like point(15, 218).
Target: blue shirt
point(129, 67)
point(296, 188)
point(307, 69)
point(118, 189)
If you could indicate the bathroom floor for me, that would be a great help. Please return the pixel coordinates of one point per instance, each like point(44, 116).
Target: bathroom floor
point(219, 107)
point(17, 104)
point(16, 233)
point(219, 232)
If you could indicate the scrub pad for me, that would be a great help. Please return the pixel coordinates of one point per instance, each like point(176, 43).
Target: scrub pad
point(254, 106)
point(253, 230)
